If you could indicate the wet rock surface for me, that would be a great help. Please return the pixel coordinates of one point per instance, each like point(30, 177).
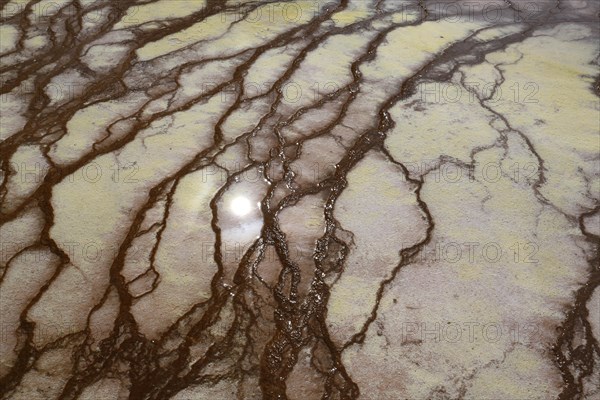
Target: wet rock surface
point(366, 199)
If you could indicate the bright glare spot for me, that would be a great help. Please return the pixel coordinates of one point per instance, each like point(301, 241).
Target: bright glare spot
point(241, 206)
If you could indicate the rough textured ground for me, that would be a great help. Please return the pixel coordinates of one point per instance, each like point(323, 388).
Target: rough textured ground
point(346, 199)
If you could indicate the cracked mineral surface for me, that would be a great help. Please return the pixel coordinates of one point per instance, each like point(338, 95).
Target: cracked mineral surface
point(303, 200)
